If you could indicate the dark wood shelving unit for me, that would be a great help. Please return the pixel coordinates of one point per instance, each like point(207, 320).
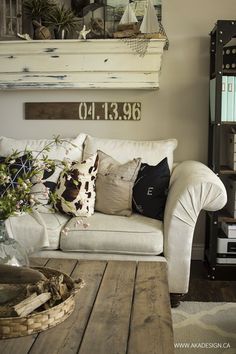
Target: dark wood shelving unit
point(225, 170)
point(229, 72)
point(228, 123)
point(224, 215)
point(221, 34)
point(225, 72)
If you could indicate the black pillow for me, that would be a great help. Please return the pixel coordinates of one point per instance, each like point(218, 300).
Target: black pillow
point(19, 168)
point(150, 189)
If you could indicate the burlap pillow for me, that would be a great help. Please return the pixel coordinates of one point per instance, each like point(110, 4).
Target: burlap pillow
point(114, 185)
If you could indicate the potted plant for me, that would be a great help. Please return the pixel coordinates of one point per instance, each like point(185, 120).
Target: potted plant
point(63, 21)
point(19, 172)
point(22, 191)
point(38, 9)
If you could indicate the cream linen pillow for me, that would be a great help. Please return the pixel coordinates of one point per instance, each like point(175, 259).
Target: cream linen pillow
point(114, 185)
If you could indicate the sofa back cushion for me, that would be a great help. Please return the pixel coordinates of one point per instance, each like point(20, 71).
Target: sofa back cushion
point(57, 152)
point(151, 152)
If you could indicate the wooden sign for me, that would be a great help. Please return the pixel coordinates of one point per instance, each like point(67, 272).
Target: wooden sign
point(127, 111)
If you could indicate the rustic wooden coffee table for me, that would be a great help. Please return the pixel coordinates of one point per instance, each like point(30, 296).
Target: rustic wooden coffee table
point(123, 309)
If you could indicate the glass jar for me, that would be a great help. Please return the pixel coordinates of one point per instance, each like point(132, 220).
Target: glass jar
point(11, 252)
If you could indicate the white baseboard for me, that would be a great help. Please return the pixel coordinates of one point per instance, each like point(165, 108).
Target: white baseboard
point(198, 251)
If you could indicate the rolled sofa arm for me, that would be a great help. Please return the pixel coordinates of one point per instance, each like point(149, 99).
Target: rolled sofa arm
point(193, 187)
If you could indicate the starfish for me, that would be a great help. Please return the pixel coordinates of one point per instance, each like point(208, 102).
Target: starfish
point(84, 33)
point(24, 36)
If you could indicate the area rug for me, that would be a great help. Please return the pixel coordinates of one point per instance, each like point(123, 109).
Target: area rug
point(205, 327)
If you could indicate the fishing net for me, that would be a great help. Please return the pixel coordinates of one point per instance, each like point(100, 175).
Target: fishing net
point(138, 45)
point(163, 32)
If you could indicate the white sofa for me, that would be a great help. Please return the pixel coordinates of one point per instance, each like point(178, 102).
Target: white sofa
point(193, 187)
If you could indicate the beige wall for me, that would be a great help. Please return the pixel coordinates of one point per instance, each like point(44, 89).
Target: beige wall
point(179, 109)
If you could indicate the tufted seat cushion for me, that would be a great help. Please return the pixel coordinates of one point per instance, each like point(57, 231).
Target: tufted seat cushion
point(136, 234)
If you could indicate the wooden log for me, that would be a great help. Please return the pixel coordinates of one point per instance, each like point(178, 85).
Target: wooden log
point(30, 304)
point(19, 275)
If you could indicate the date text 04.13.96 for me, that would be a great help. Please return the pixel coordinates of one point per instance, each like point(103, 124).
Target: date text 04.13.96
point(109, 110)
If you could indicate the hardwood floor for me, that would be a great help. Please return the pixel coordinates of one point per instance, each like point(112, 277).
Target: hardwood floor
point(203, 289)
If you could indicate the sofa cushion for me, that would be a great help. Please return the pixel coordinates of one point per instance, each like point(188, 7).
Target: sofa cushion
point(151, 152)
point(37, 230)
point(75, 191)
point(136, 234)
point(57, 152)
point(114, 185)
point(150, 189)
point(54, 223)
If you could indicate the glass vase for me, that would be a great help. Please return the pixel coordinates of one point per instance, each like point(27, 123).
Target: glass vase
point(11, 252)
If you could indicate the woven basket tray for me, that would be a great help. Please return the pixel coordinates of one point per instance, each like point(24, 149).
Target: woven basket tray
point(11, 327)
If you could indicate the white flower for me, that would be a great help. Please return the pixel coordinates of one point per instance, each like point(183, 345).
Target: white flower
point(67, 163)
point(7, 179)
point(32, 202)
point(38, 179)
point(65, 231)
point(68, 150)
point(39, 164)
point(17, 213)
point(80, 222)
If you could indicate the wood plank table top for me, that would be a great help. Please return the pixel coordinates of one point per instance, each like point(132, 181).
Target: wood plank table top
point(124, 308)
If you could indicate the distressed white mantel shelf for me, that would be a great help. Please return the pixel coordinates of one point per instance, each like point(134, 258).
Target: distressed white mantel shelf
point(78, 64)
